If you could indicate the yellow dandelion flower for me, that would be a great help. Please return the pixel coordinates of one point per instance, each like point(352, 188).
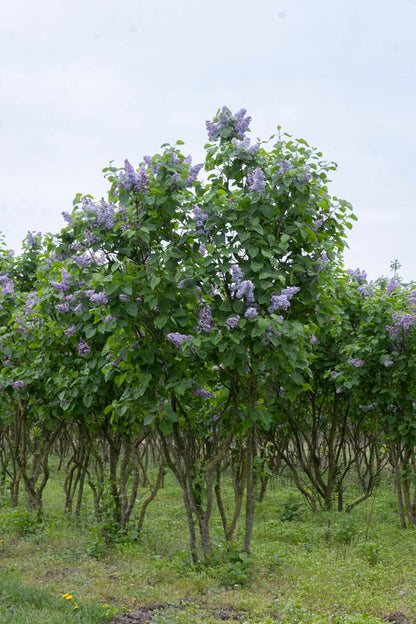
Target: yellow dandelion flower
point(105, 606)
point(67, 596)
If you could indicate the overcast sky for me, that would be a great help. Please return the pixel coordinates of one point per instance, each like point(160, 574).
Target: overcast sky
point(83, 82)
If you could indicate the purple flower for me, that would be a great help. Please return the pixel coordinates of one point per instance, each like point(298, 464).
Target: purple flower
point(225, 124)
point(62, 307)
point(358, 275)
point(371, 406)
point(31, 301)
point(251, 313)
point(66, 216)
point(18, 385)
point(388, 363)
point(245, 289)
point(243, 148)
point(317, 224)
point(7, 287)
point(324, 256)
point(109, 318)
point(63, 285)
point(284, 166)
point(124, 297)
point(178, 339)
point(101, 298)
point(193, 174)
point(83, 348)
point(290, 291)
point(199, 216)
point(256, 181)
point(105, 215)
point(33, 241)
point(232, 322)
point(70, 331)
point(279, 302)
point(356, 362)
point(90, 237)
point(205, 319)
point(201, 393)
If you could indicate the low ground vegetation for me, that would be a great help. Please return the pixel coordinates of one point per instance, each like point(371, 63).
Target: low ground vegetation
point(305, 567)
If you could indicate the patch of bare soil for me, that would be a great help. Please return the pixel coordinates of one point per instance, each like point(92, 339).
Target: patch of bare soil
point(145, 615)
point(399, 618)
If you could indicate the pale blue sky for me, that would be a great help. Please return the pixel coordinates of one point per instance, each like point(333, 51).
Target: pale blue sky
point(88, 81)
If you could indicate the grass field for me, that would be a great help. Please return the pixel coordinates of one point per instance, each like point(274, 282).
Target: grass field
point(305, 568)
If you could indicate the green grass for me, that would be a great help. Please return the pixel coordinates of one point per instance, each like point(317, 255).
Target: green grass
point(309, 569)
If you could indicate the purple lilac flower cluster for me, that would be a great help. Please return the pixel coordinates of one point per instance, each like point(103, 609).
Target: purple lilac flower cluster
point(7, 285)
point(251, 313)
point(18, 385)
point(232, 322)
point(33, 241)
point(246, 290)
point(178, 339)
point(225, 124)
point(101, 298)
point(205, 319)
point(199, 216)
point(401, 323)
point(70, 331)
point(243, 149)
point(282, 301)
point(103, 212)
point(31, 301)
point(134, 180)
point(83, 348)
point(62, 307)
point(256, 180)
point(193, 174)
point(358, 276)
point(63, 285)
point(284, 166)
point(201, 393)
point(356, 362)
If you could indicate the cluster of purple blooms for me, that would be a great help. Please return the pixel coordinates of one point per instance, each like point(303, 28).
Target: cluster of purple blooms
point(83, 348)
point(256, 180)
point(64, 284)
point(7, 285)
point(33, 241)
point(101, 298)
point(356, 362)
point(282, 301)
point(241, 288)
point(205, 319)
point(193, 174)
point(243, 148)
point(18, 385)
point(201, 393)
point(199, 216)
point(103, 213)
point(178, 339)
point(251, 313)
point(225, 124)
point(401, 324)
point(232, 322)
point(358, 276)
point(133, 180)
